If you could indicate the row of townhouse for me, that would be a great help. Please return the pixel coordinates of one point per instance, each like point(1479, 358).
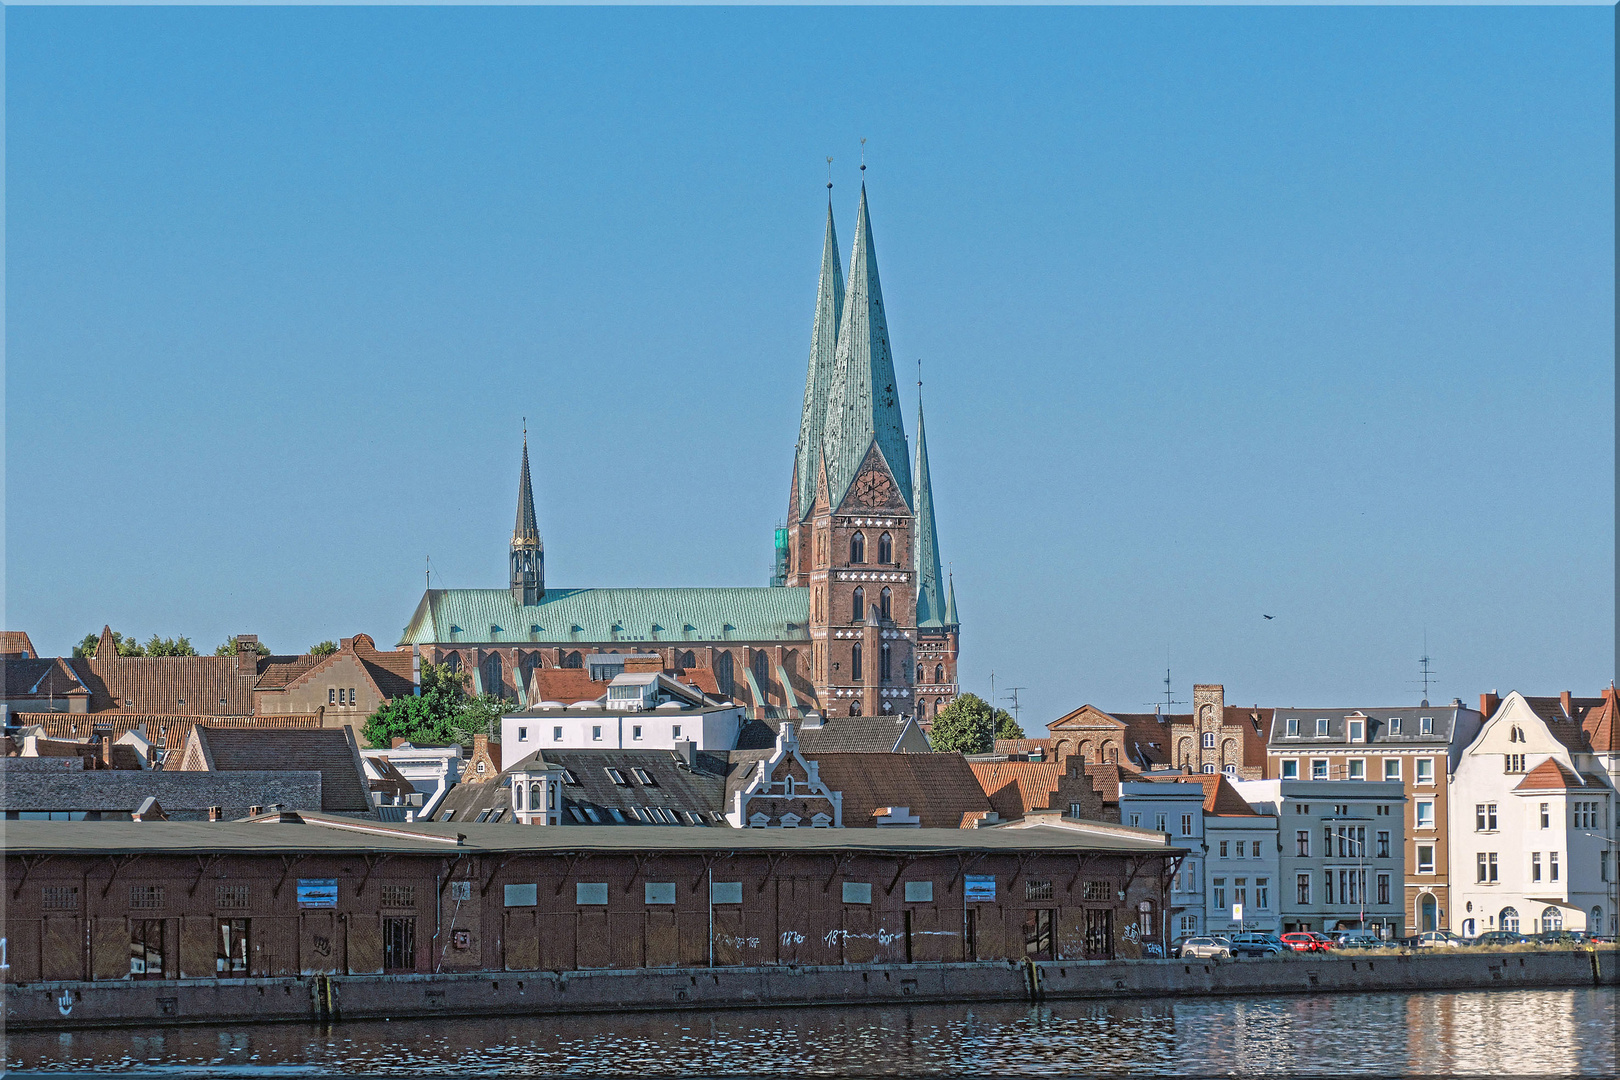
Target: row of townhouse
point(1508, 819)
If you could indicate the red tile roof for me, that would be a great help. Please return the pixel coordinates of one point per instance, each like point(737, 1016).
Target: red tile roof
point(567, 685)
point(1564, 726)
point(1255, 723)
point(1220, 797)
point(179, 685)
point(938, 788)
point(1106, 776)
point(1550, 775)
point(16, 643)
point(1602, 724)
point(1014, 788)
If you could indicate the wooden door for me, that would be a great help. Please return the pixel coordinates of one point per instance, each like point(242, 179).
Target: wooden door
point(365, 945)
point(61, 953)
point(663, 947)
point(593, 948)
point(521, 940)
point(320, 943)
point(109, 949)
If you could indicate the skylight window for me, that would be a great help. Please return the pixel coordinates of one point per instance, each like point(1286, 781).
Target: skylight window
point(644, 777)
point(617, 777)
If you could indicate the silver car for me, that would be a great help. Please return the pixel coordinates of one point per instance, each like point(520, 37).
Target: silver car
point(1202, 948)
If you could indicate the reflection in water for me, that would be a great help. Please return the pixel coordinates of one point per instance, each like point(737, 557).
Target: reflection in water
point(1517, 1032)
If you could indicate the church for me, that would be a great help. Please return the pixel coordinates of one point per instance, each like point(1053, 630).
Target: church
point(858, 619)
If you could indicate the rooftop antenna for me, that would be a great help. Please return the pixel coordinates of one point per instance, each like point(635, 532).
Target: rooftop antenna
point(1169, 699)
point(1012, 693)
point(1425, 669)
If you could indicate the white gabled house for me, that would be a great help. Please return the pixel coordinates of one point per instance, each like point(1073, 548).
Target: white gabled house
point(1533, 829)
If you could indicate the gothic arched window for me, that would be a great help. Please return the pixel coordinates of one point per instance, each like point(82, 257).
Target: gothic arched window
point(857, 548)
point(919, 673)
point(453, 662)
point(939, 673)
point(489, 674)
point(885, 603)
point(855, 661)
point(883, 660)
point(858, 605)
point(572, 660)
point(724, 676)
point(762, 668)
point(885, 548)
point(854, 708)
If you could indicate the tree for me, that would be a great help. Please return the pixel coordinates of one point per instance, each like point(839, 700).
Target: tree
point(971, 726)
point(159, 646)
point(228, 648)
point(126, 646)
point(442, 713)
point(324, 648)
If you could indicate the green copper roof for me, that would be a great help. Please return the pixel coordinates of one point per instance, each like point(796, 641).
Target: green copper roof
point(598, 616)
point(950, 603)
point(925, 553)
point(862, 406)
point(823, 359)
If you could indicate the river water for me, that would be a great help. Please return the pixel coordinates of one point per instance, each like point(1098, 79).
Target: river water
point(1511, 1032)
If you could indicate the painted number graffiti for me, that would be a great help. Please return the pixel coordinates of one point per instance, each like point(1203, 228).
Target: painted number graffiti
point(792, 937)
point(740, 942)
point(841, 937)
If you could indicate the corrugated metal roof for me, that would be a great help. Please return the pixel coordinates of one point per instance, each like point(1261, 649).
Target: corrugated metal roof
point(589, 616)
point(173, 837)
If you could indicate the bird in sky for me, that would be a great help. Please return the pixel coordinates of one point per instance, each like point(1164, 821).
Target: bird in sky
point(1266, 616)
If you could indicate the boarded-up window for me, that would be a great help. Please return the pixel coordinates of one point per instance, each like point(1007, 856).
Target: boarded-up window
point(1097, 890)
point(857, 892)
point(60, 898)
point(230, 896)
point(590, 892)
point(146, 896)
point(919, 892)
point(1037, 890)
point(725, 892)
point(461, 890)
point(399, 896)
point(523, 895)
point(660, 892)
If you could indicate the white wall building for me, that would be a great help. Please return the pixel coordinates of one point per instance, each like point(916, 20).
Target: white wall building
point(1533, 822)
point(640, 711)
point(1342, 862)
point(432, 770)
point(1175, 808)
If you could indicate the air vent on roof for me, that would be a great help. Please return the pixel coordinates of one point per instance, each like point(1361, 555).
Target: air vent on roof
point(657, 629)
point(689, 628)
point(577, 629)
point(495, 629)
point(537, 629)
point(618, 629)
point(454, 629)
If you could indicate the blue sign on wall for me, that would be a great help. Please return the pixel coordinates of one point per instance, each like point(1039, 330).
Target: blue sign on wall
point(317, 892)
point(980, 887)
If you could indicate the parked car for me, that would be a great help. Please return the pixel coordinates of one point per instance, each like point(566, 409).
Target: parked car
point(1501, 937)
point(1303, 941)
point(1432, 939)
point(1256, 945)
point(1361, 939)
point(1563, 937)
point(1204, 947)
point(1325, 941)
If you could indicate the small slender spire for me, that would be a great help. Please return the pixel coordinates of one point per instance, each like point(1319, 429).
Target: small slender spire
point(950, 602)
point(931, 610)
point(528, 553)
point(526, 529)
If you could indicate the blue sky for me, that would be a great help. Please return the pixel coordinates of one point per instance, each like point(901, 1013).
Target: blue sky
point(1225, 313)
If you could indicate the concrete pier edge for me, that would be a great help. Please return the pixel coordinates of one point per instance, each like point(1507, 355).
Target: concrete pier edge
point(325, 998)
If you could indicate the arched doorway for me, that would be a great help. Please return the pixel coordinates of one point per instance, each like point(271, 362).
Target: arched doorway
point(1427, 912)
point(1508, 920)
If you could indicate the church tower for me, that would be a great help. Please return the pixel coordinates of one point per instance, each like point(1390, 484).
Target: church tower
point(817, 381)
point(861, 527)
point(937, 632)
point(528, 557)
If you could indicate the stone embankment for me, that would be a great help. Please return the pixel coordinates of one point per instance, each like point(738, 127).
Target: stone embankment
point(69, 1005)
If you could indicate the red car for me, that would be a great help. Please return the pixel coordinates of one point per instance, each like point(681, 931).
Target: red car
point(1304, 941)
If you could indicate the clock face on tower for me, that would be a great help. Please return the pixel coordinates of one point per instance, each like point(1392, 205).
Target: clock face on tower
point(874, 489)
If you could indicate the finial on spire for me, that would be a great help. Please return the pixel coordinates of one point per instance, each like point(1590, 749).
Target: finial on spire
point(829, 172)
point(919, 377)
point(863, 155)
point(525, 431)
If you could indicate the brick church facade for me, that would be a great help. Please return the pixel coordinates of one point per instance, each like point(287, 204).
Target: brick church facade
point(859, 620)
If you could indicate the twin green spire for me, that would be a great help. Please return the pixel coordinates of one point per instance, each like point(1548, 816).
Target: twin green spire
point(851, 405)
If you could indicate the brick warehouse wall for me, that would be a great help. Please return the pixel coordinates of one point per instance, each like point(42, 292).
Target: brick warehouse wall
point(74, 916)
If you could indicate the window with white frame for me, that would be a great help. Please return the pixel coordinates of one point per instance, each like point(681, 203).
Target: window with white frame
point(1394, 725)
point(523, 734)
point(1302, 888)
point(1425, 770)
point(1158, 823)
point(1291, 726)
point(1223, 848)
point(1290, 768)
point(1425, 813)
point(1392, 768)
point(1262, 893)
point(1302, 843)
point(1425, 725)
point(1358, 769)
point(1552, 865)
point(1425, 858)
point(1321, 728)
point(1535, 866)
point(1186, 824)
point(1546, 817)
point(1358, 731)
point(1484, 817)
point(1319, 769)
point(1218, 885)
point(1383, 844)
point(1209, 740)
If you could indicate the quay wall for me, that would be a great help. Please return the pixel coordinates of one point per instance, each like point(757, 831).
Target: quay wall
point(135, 1003)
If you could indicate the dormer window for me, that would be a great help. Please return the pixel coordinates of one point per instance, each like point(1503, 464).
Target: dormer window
point(1292, 730)
point(1425, 725)
point(1321, 729)
point(1358, 731)
point(1394, 725)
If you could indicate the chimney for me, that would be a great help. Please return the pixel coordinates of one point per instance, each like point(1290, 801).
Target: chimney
point(686, 750)
point(1564, 697)
point(786, 738)
point(480, 745)
point(247, 654)
point(215, 813)
point(255, 811)
point(399, 741)
point(1488, 704)
point(416, 670)
point(106, 752)
point(346, 644)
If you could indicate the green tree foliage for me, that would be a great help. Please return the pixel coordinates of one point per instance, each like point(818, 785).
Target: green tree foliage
point(228, 648)
point(443, 713)
point(970, 726)
point(162, 646)
point(324, 648)
point(1006, 726)
point(126, 646)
